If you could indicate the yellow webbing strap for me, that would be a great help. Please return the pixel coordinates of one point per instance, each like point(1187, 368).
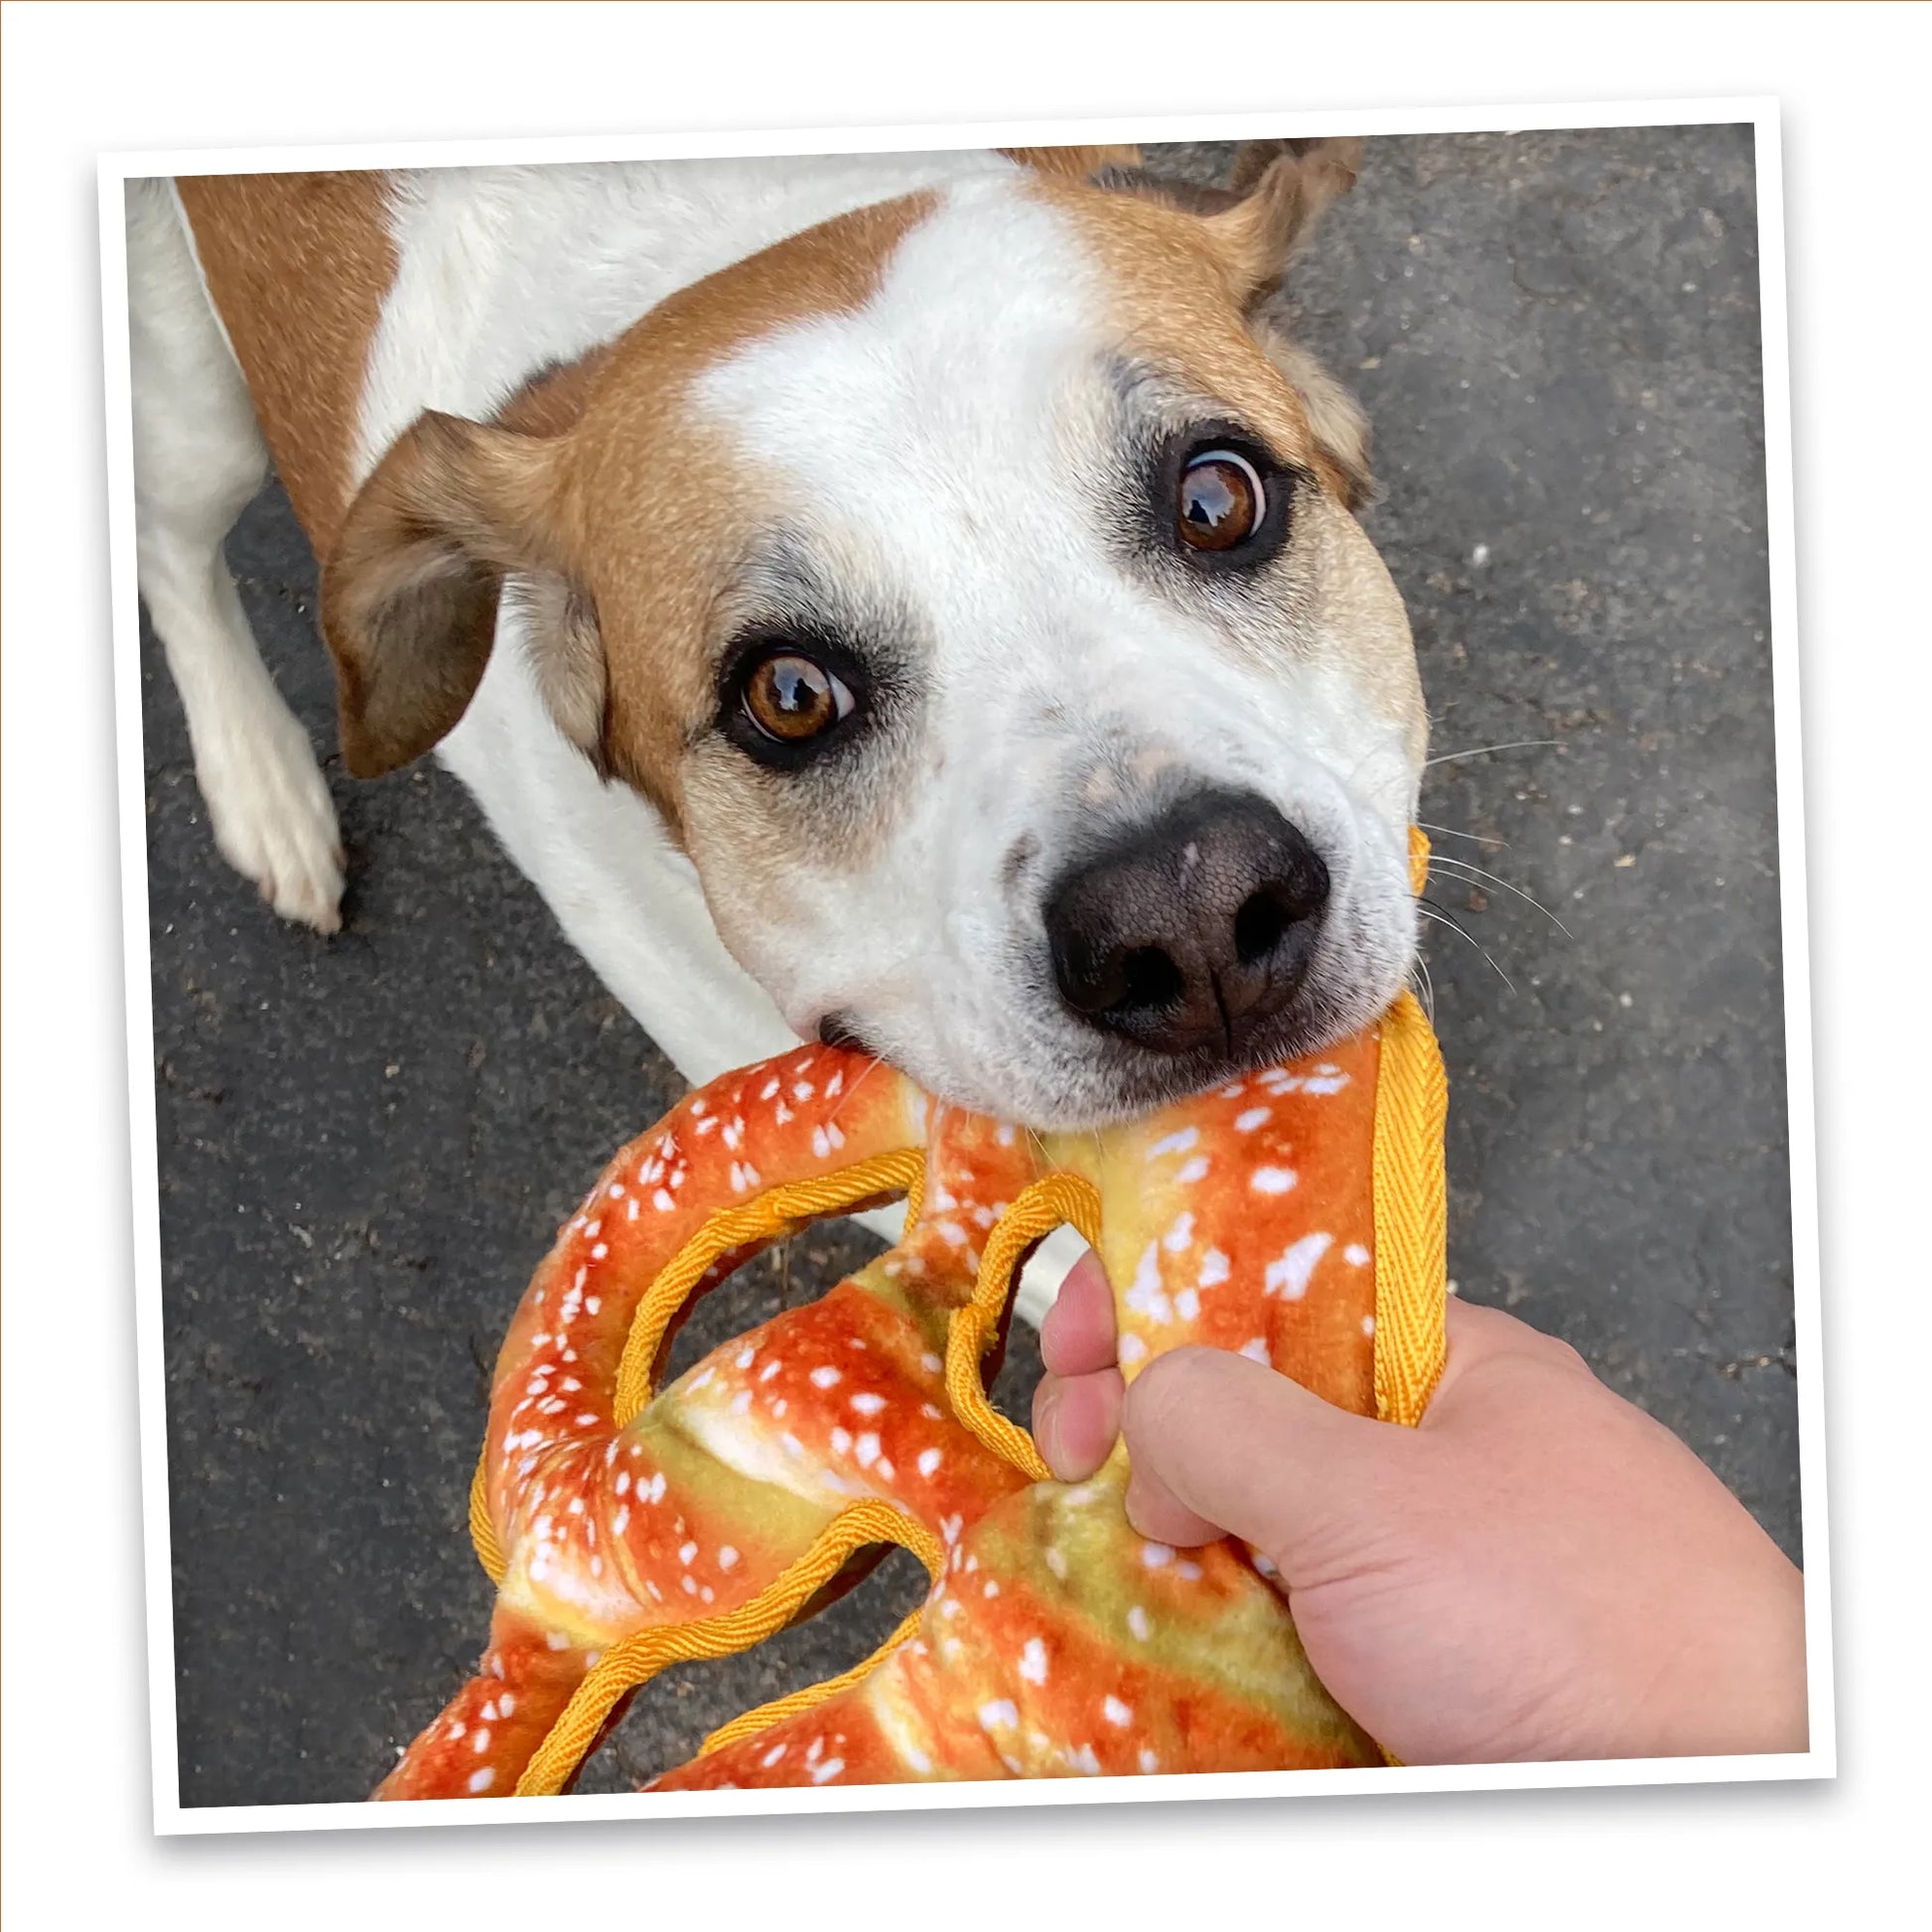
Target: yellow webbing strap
point(634, 1660)
point(1411, 1214)
point(1050, 1202)
point(1410, 1200)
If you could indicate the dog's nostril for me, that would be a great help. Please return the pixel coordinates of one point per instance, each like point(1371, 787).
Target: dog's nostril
point(1258, 927)
point(1150, 979)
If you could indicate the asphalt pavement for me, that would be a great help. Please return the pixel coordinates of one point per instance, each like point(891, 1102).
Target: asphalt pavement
point(367, 1143)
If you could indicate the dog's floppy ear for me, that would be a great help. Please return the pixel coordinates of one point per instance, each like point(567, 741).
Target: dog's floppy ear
point(410, 591)
point(1267, 208)
point(1282, 186)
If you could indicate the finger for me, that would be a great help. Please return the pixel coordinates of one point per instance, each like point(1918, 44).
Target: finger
point(1079, 1336)
point(1159, 1515)
point(1213, 1436)
point(1075, 1421)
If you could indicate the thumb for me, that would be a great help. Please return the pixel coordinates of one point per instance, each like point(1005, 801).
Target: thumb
point(1221, 1445)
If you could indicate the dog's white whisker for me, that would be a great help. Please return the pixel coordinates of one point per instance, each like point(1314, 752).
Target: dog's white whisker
point(1439, 918)
point(1451, 832)
point(1483, 750)
point(1462, 866)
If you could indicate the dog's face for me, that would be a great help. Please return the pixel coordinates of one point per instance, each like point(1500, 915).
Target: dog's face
point(976, 593)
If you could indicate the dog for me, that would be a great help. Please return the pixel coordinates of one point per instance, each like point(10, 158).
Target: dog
point(915, 602)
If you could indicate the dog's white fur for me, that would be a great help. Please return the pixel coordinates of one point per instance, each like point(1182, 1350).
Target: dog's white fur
point(1050, 672)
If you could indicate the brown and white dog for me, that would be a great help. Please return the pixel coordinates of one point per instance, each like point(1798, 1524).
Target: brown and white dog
point(913, 600)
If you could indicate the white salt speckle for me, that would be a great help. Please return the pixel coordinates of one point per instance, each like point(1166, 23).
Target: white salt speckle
point(746, 1358)
point(1192, 1171)
point(657, 1487)
point(1000, 1714)
point(690, 1585)
point(829, 1769)
point(1188, 1572)
point(929, 1461)
point(1325, 1083)
point(505, 1704)
point(623, 1483)
point(707, 1594)
point(1180, 1142)
point(1148, 1762)
point(868, 1405)
point(1255, 1350)
point(1254, 1117)
point(1355, 1255)
point(727, 1557)
point(1144, 1296)
point(1136, 1622)
point(1180, 1235)
point(1156, 1555)
point(931, 1364)
point(801, 1090)
point(1117, 1713)
point(687, 1551)
point(615, 1191)
point(633, 1214)
point(1032, 1661)
point(482, 1780)
point(1288, 1276)
point(840, 1440)
point(1187, 1304)
point(1368, 1325)
point(770, 1370)
point(1056, 1560)
point(774, 1754)
point(1131, 1349)
point(918, 1760)
point(742, 1401)
point(792, 1445)
point(662, 1201)
point(865, 1452)
point(1213, 1268)
point(825, 1378)
point(770, 1089)
point(992, 1589)
point(1272, 1181)
point(931, 1411)
point(556, 1641)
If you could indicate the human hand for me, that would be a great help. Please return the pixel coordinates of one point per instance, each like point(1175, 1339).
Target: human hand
point(1539, 1571)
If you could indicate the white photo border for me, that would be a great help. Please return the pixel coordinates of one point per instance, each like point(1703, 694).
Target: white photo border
point(1819, 1761)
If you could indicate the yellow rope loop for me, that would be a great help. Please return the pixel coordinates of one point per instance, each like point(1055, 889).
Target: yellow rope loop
point(1051, 1201)
point(748, 1723)
point(636, 1658)
point(776, 1211)
point(1411, 1215)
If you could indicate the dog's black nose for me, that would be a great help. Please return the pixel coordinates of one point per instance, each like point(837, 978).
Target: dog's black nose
point(1191, 930)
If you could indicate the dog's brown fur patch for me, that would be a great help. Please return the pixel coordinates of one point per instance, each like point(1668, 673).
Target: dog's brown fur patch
point(298, 267)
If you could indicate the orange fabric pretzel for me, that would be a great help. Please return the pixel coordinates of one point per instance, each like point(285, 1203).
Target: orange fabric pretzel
point(1282, 1216)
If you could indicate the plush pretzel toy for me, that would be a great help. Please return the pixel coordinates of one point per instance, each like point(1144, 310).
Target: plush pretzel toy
point(1296, 1215)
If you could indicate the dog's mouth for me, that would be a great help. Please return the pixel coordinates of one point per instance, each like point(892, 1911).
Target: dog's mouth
point(838, 1030)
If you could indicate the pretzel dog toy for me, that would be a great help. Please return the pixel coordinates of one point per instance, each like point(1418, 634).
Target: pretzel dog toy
point(1296, 1215)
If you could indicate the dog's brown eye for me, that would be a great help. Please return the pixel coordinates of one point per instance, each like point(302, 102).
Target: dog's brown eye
point(792, 698)
point(1221, 500)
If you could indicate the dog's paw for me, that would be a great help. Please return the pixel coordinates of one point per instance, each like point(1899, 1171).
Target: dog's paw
point(274, 820)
